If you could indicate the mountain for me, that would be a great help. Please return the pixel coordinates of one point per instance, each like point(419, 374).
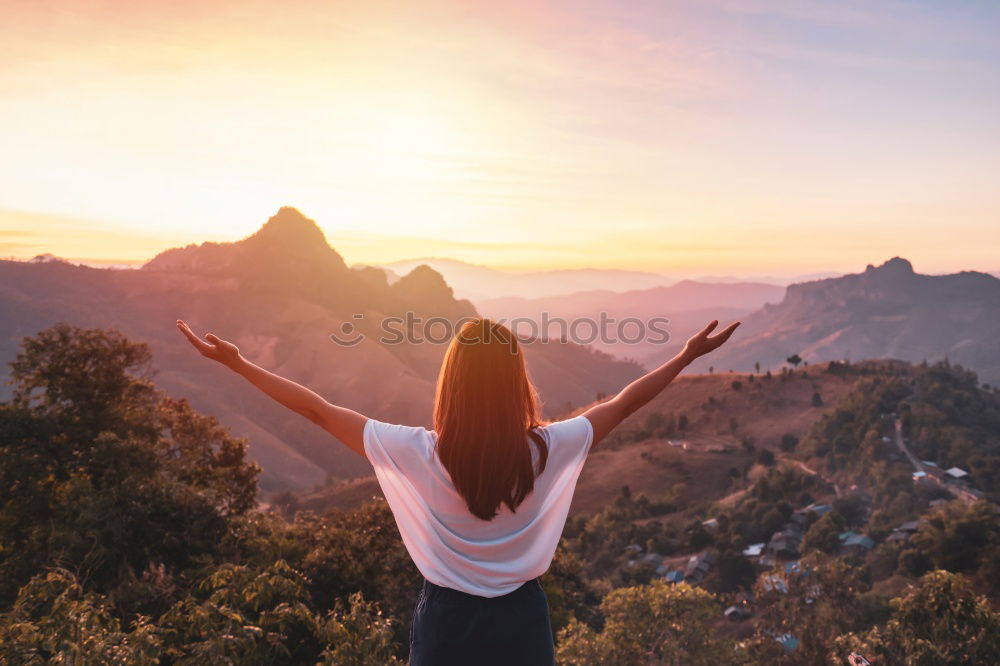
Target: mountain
point(480, 282)
point(279, 295)
point(888, 311)
point(769, 279)
point(688, 305)
point(46, 258)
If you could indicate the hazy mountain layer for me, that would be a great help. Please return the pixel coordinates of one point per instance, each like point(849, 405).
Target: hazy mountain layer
point(688, 305)
point(480, 282)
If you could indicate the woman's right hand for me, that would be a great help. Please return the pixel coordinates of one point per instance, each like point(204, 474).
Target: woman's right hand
point(701, 344)
point(212, 346)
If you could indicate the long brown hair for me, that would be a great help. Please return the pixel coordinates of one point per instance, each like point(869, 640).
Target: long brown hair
point(484, 413)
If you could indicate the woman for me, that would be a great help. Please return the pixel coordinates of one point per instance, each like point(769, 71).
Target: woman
point(480, 500)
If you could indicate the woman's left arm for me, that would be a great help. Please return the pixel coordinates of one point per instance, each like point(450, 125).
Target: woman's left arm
point(345, 424)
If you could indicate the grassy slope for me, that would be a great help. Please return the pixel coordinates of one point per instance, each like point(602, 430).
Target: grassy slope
point(763, 410)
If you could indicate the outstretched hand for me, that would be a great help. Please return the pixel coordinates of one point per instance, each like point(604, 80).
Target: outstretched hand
point(701, 344)
point(212, 346)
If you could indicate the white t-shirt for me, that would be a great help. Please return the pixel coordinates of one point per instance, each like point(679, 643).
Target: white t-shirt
point(450, 546)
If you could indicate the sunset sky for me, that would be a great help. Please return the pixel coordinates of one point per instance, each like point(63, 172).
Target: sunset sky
point(710, 137)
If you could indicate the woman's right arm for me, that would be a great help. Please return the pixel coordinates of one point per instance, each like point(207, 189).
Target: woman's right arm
point(606, 416)
point(345, 424)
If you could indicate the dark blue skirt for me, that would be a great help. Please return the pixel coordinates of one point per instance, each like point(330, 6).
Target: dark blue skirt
point(453, 627)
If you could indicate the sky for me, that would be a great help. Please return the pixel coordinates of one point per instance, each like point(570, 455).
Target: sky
point(714, 137)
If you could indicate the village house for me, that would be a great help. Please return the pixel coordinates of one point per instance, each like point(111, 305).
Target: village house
point(674, 576)
point(818, 509)
point(771, 582)
point(905, 531)
point(786, 544)
point(698, 567)
point(855, 544)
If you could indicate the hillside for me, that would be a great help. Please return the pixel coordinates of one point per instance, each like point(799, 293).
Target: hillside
point(640, 454)
point(279, 294)
point(889, 311)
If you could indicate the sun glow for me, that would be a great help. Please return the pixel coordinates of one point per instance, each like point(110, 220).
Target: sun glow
point(673, 137)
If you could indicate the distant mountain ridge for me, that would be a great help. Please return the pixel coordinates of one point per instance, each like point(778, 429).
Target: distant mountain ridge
point(688, 305)
point(475, 282)
point(279, 294)
point(888, 311)
point(663, 300)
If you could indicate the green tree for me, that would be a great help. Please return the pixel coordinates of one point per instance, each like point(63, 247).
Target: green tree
point(657, 623)
point(54, 621)
point(956, 536)
point(248, 616)
point(102, 473)
point(852, 507)
point(731, 572)
point(816, 603)
point(263, 616)
point(823, 534)
point(940, 620)
point(913, 562)
point(150, 505)
point(334, 552)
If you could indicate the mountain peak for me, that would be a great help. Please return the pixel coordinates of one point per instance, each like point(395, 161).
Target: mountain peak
point(291, 243)
point(424, 277)
point(423, 283)
point(895, 266)
point(426, 290)
point(288, 225)
point(47, 258)
point(288, 242)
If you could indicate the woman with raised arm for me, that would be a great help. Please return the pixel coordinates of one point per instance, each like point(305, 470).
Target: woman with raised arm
point(480, 500)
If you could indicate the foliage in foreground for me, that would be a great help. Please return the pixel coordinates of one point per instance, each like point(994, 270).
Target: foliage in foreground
point(938, 621)
point(128, 533)
point(657, 623)
point(245, 617)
